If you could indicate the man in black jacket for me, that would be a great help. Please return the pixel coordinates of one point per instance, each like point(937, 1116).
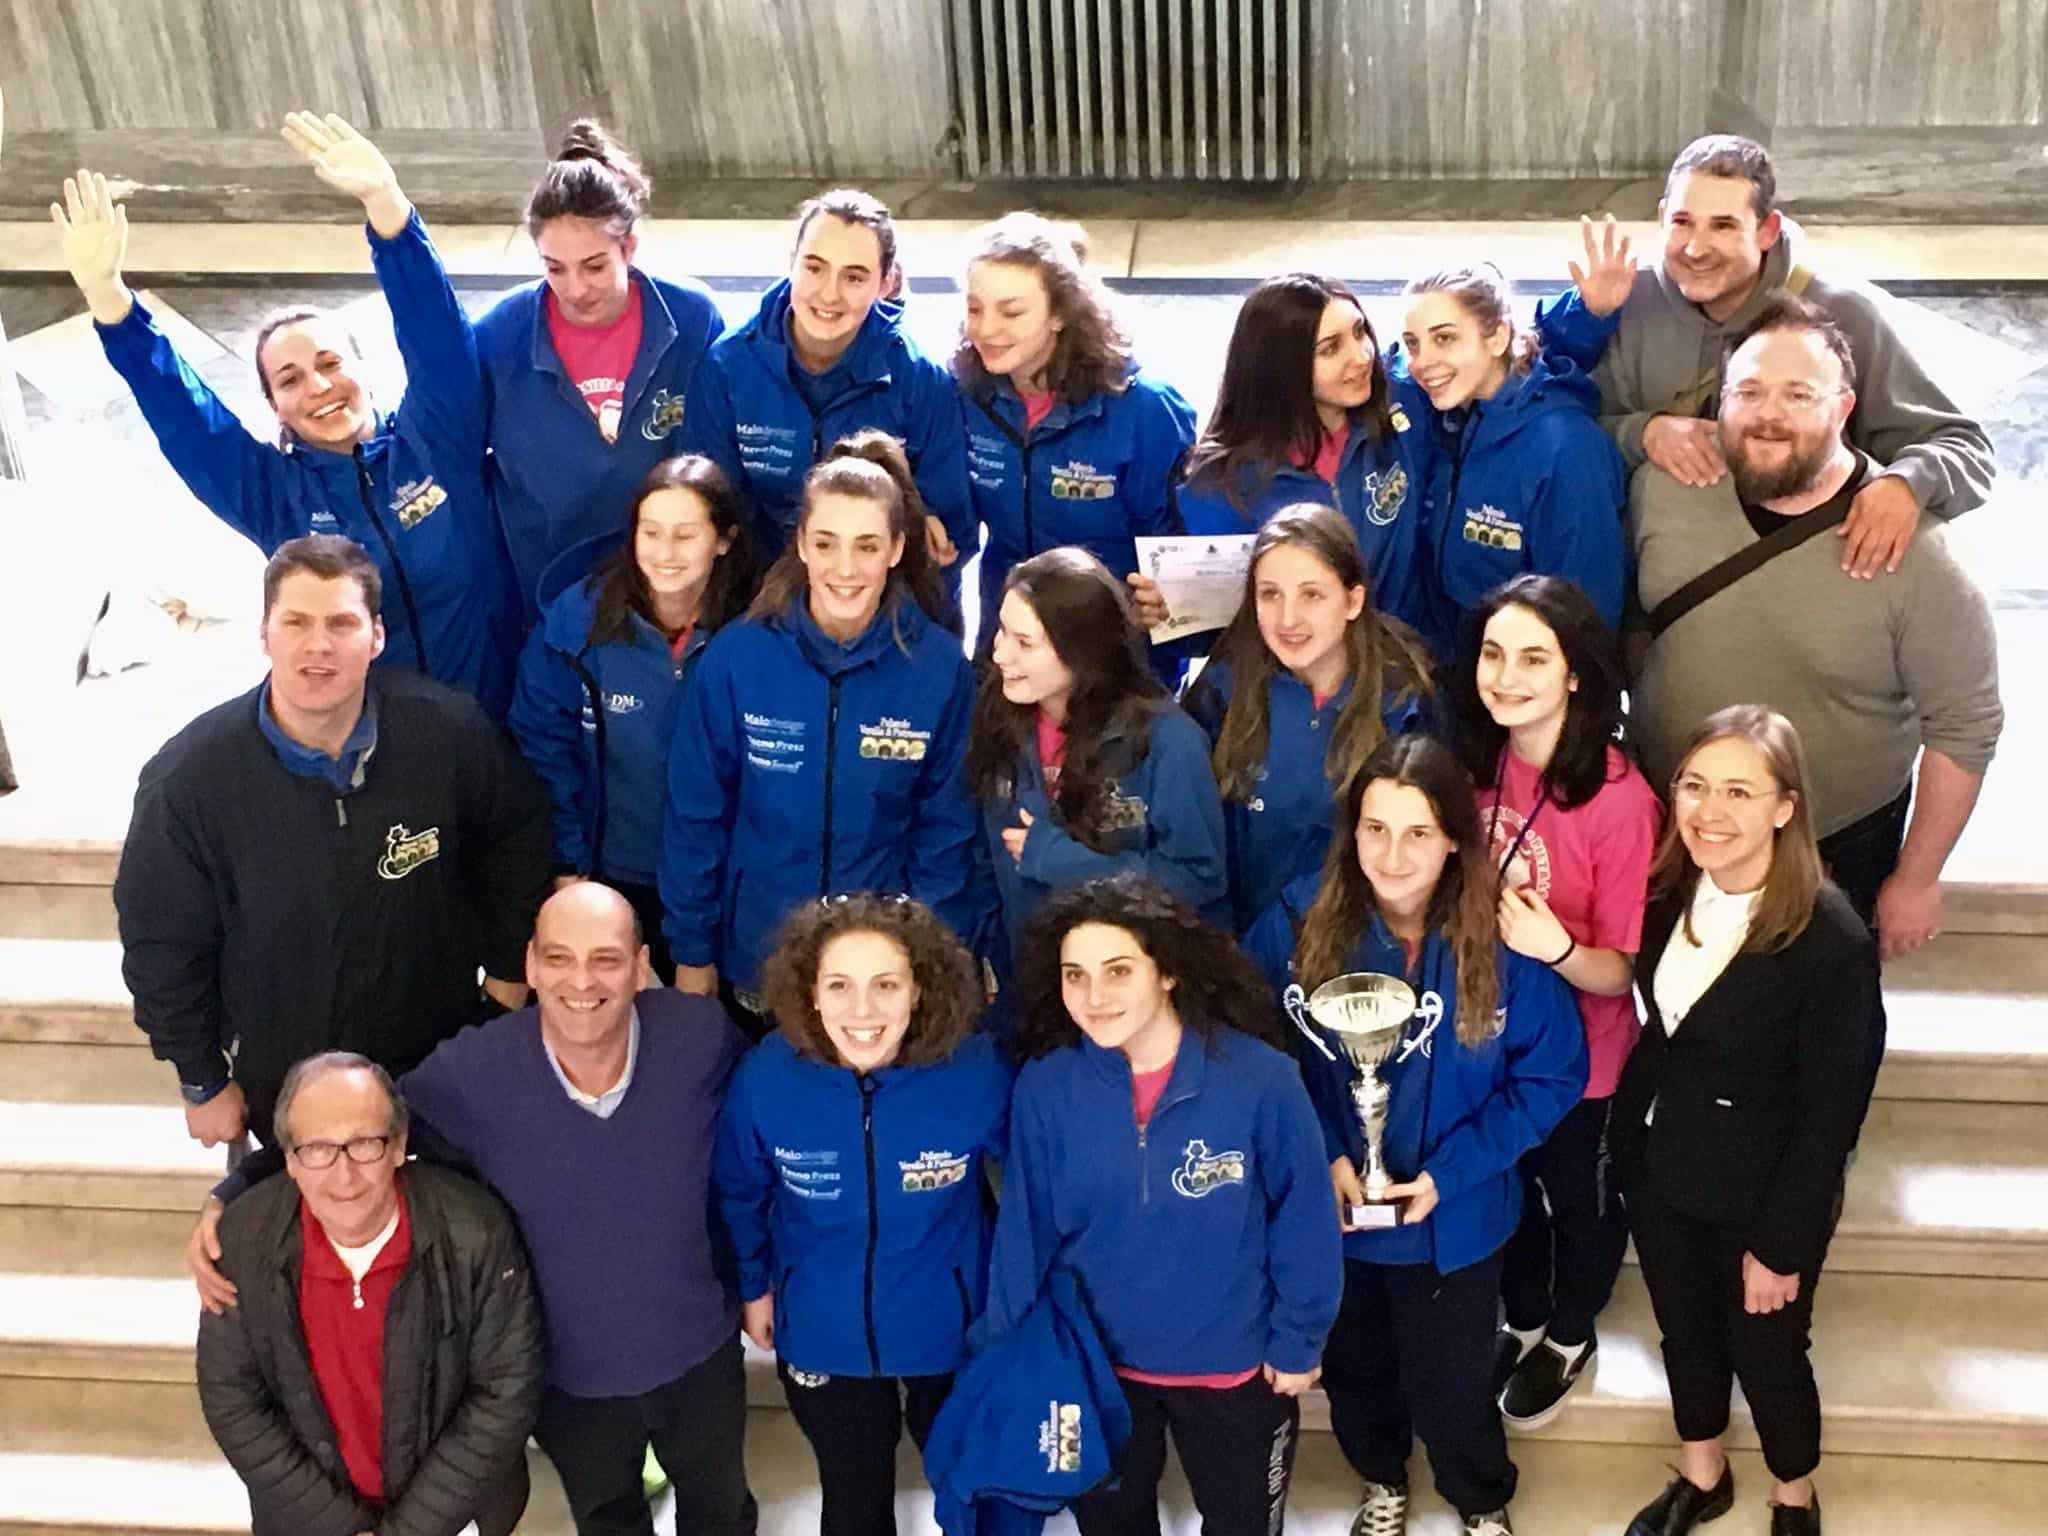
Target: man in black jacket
point(384, 1366)
point(325, 862)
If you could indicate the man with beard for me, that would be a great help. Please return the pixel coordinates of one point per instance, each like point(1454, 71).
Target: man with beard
point(1874, 674)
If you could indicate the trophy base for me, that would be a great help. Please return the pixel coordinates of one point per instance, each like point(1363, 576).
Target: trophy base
point(1376, 1213)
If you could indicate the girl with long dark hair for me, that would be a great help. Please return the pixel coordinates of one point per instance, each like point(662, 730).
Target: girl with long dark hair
point(594, 711)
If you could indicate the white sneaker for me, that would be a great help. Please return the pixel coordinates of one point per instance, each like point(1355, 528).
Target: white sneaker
point(1495, 1524)
point(1383, 1511)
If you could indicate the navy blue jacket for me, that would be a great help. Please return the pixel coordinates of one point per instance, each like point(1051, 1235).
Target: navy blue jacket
point(858, 1199)
point(802, 767)
point(750, 416)
point(1282, 833)
point(556, 480)
point(1095, 475)
point(594, 722)
point(1205, 1243)
point(1168, 824)
point(1379, 489)
point(1463, 1114)
point(413, 495)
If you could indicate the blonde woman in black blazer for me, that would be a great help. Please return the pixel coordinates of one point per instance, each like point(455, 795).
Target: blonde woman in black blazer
point(1736, 1113)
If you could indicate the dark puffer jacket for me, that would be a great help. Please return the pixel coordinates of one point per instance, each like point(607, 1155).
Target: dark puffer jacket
point(462, 1371)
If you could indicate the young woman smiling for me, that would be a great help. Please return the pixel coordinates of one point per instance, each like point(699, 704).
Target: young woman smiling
point(864, 1287)
point(1571, 824)
point(1068, 442)
point(1305, 682)
point(1168, 1158)
point(1737, 1110)
point(819, 742)
point(1492, 1059)
point(595, 709)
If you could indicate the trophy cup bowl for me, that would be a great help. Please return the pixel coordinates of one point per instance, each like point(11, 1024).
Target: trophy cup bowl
point(1364, 1014)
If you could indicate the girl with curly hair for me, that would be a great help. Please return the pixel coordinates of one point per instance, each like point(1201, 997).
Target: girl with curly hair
point(1168, 1158)
point(1068, 440)
point(849, 1175)
point(1491, 1060)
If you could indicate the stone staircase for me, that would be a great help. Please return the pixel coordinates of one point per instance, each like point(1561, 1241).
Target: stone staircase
point(1931, 1339)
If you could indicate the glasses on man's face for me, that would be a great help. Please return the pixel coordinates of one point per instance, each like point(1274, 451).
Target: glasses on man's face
point(361, 1149)
point(1797, 399)
point(1694, 790)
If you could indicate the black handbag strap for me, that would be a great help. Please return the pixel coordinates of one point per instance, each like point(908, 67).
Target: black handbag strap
point(1717, 579)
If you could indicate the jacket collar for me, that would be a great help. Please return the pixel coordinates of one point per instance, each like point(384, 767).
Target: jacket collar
point(1190, 1065)
point(865, 361)
point(898, 616)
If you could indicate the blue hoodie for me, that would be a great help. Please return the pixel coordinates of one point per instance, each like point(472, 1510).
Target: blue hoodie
point(857, 1198)
point(1167, 823)
point(1379, 489)
point(1526, 481)
point(751, 415)
point(1282, 833)
point(413, 495)
point(1095, 475)
point(1204, 1243)
point(1463, 1114)
point(594, 723)
point(556, 480)
point(802, 768)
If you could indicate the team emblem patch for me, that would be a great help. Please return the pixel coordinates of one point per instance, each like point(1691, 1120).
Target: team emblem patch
point(415, 501)
point(406, 851)
point(1493, 528)
point(1059, 1437)
point(664, 415)
point(932, 1170)
point(1384, 494)
point(1203, 1172)
point(891, 739)
point(1082, 482)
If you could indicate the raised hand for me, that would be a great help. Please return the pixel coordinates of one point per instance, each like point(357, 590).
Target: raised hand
point(93, 231)
point(350, 163)
point(1609, 275)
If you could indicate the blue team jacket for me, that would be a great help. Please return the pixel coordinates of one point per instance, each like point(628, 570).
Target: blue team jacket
point(1526, 481)
point(1168, 823)
point(1282, 833)
point(749, 415)
point(802, 768)
point(1379, 489)
point(1464, 1114)
point(858, 1199)
point(413, 495)
point(1205, 1243)
point(1096, 475)
point(556, 480)
point(594, 723)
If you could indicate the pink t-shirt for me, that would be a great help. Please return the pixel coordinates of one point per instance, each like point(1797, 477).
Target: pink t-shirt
point(1036, 406)
point(1328, 455)
point(1052, 749)
point(1592, 865)
point(599, 359)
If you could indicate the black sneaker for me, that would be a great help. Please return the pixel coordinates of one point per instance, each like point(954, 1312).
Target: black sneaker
point(1795, 1520)
point(1683, 1505)
point(1507, 1354)
point(1536, 1392)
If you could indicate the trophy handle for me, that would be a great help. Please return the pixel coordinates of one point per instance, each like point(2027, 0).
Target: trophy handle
point(1295, 1001)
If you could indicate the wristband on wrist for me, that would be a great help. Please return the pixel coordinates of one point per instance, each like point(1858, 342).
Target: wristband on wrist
point(197, 1093)
point(1570, 949)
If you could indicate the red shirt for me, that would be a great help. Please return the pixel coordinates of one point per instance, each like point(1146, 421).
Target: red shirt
point(598, 359)
point(1329, 454)
point(1146, 1087)
point(1052, 749)
point(345, 1341)
point(681, 642)
point(1036, 407)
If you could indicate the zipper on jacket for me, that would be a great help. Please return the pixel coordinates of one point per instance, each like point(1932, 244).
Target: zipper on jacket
point(831, 753)
point(595, 695)
point(1458, 470)
point(1023, 443)
point(340, 813)
point(412, 613)
point(867, 1288)
point(1145, 1162)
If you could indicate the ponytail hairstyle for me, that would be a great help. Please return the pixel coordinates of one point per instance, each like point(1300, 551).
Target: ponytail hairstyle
point(1462, 905)
point(850, 205)
point(1265, 412)
point(1093, 353)
point(869, 464)
point(1088, 623)
point(618, 584)
point(593, 176)
point(1381, 654)
point(1593, 713)
point(1485, 294)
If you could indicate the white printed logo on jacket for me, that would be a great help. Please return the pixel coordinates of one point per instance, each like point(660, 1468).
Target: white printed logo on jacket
point(1202, 1172)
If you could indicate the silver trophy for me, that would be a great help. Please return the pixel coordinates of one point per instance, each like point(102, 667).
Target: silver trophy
point(1364, 1014)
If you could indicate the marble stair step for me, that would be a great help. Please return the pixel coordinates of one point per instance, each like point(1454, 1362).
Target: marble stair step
point(99, 1188)
point(57, 911)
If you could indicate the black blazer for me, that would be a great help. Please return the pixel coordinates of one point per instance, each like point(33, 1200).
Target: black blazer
point(1760, 1094)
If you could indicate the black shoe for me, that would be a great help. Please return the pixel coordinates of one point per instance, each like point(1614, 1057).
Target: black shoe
point(1791, 1520)
point(1683, 1505)
point(1507, 1354)
point(1536, 1392)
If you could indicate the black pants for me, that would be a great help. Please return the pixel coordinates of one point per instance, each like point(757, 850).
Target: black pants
point(1236, 1445)
point(697, 1425)
point(1693, 1271)
point(853, 1424)
point(1559, 1267)
point(646, 904)
point(1412, 1353)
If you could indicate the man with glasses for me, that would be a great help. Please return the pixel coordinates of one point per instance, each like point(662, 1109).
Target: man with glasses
point(383, 1367)
point(1746, 604)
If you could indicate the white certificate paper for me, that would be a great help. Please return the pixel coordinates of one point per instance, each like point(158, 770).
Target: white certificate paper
point(1200, 577)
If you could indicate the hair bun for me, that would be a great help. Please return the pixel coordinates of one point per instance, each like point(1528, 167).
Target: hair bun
point(585, 139)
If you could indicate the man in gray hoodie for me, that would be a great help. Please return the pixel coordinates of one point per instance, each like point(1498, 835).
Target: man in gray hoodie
point(1727, 252)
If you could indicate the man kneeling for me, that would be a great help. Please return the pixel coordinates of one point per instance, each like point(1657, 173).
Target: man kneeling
point(383, 1368)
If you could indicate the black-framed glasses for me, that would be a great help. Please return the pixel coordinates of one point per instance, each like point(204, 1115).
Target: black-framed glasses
point(361, 1149)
